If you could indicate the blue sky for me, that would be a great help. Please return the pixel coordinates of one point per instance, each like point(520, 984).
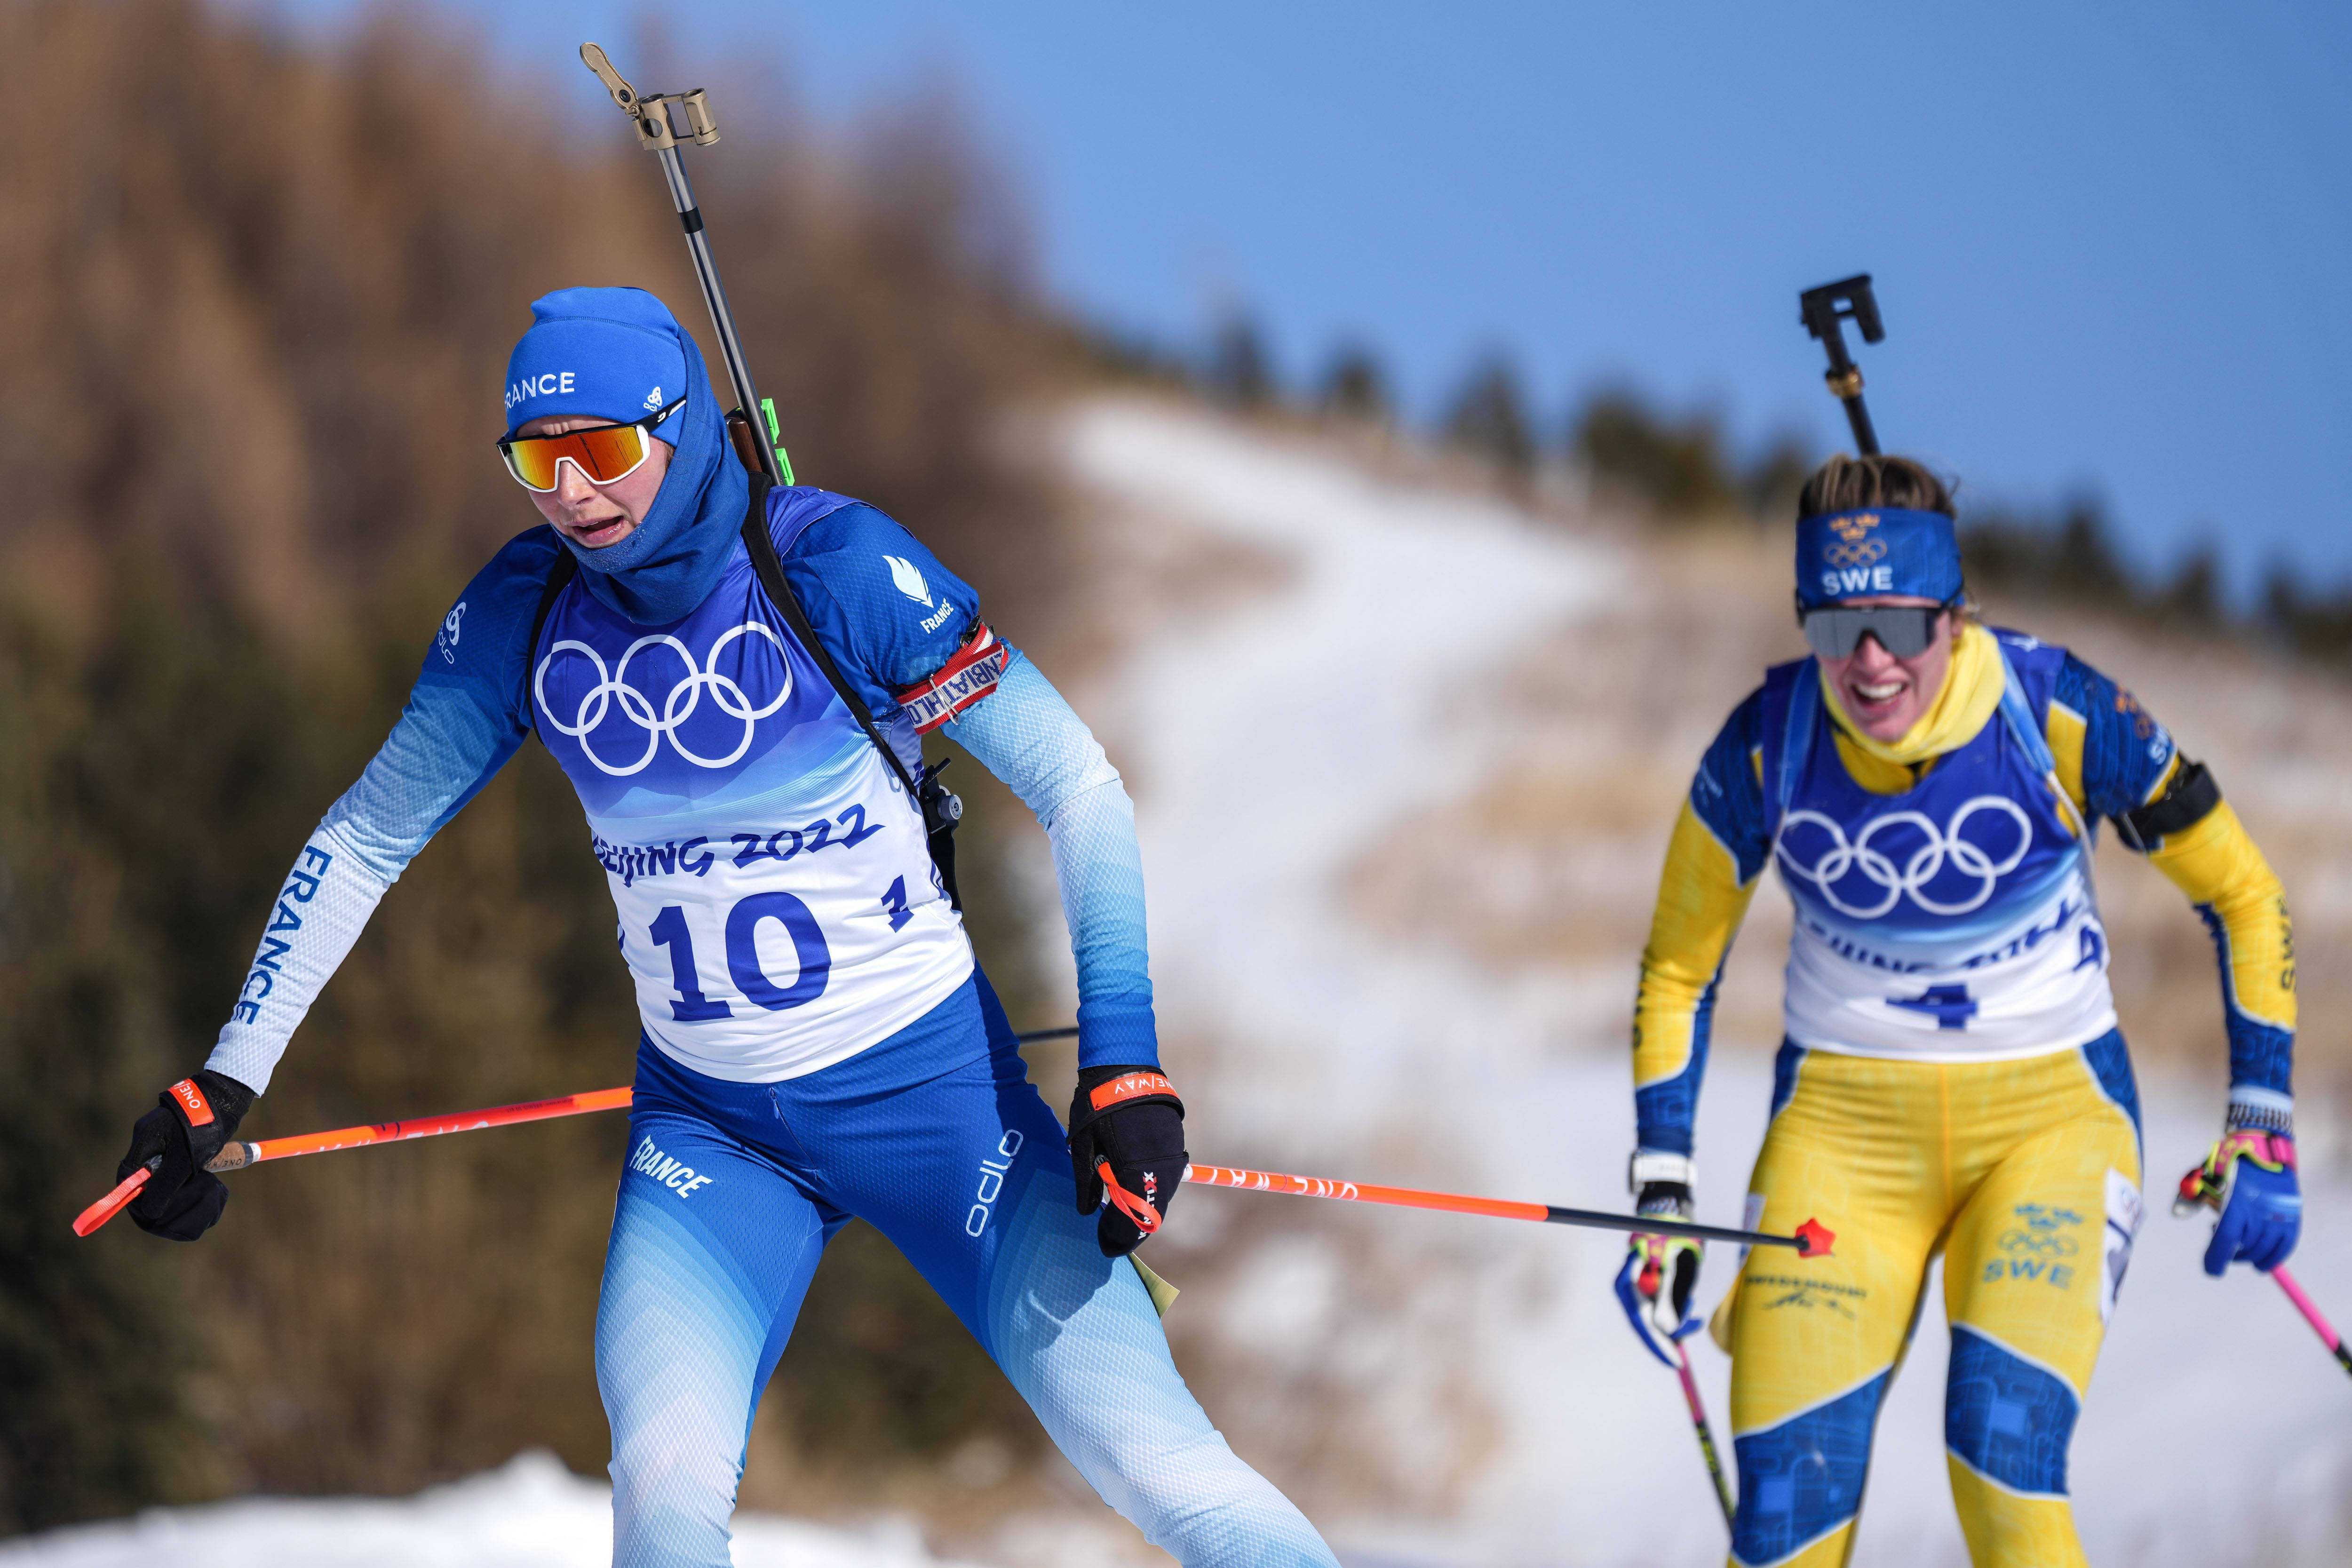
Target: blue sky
point(2110, 241)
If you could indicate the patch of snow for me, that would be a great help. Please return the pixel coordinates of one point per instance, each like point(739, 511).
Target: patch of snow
point(531, 1513)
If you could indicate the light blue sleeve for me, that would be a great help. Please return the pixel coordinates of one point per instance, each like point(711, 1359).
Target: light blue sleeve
point(1027, 734)
point(438, 756)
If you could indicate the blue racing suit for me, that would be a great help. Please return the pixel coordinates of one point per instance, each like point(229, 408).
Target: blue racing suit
point(816, 1041)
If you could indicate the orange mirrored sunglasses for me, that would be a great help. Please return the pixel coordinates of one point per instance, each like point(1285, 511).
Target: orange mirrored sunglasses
point(603, 454)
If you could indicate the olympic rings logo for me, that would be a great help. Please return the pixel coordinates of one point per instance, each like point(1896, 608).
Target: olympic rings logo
point(1854, 555)
point(2025, 1241)
point(1943, 847)
point(612, 688)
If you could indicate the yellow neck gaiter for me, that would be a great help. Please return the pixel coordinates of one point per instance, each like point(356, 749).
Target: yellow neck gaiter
point(1972, 689)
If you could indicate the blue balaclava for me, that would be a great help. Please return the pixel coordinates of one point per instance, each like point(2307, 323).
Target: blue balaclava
point(619, 354)
point(1846, 556)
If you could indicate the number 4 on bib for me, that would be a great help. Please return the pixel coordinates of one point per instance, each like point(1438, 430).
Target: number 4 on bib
point(1949, 1006)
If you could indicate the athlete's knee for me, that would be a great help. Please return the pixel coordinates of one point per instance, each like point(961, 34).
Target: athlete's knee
point(1801, 1480)
point(2006, 1419)
point(1078, 1337)
point(1261, 1528)
point(678, 1397)
point(671, 1502)
point(1123, 1417)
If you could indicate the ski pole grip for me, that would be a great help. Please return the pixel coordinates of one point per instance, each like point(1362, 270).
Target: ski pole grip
point(233, 1156)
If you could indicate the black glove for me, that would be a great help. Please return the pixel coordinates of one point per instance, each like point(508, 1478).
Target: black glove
point(197, 1117)
point(1131, 1118)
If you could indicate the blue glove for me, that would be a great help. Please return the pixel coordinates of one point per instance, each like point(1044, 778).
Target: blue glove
point(2249, 1178)
point(1660, 1272)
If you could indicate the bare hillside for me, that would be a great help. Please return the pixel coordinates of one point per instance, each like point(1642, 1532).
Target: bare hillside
point(1405, 754)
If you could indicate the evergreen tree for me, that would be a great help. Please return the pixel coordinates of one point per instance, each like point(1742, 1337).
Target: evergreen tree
point(1489, 417)
point(1354, 387)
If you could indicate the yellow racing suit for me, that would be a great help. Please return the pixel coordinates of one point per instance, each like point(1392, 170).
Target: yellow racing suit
point(1952, 1079)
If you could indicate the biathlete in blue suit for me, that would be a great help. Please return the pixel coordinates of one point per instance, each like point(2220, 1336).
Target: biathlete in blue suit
point(817, 1042)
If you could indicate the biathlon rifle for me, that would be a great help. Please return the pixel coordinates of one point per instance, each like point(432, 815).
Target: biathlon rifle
point(656, 118)
point(1822, 309)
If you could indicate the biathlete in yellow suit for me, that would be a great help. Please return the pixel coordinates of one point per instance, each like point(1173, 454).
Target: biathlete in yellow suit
point(1952, 1079)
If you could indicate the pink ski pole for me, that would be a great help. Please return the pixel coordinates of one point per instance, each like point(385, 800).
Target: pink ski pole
point(1705, 1436)
point(2327, 1334)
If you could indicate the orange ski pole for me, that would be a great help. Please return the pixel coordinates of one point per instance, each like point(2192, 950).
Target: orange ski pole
point(238, 1155)
point(1813, 1239)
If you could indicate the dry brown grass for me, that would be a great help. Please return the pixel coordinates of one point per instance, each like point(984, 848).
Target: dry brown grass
point(1552, 863)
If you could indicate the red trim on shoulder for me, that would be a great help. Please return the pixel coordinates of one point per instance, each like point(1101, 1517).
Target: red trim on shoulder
point(193, 1101)
point(1126, 1086)
point(963, 680)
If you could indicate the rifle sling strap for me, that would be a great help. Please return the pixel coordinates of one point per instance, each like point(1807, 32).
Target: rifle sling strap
point(771, 570)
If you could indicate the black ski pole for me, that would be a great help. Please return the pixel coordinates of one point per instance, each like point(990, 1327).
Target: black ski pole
point(657, 133)
point(1821, 310)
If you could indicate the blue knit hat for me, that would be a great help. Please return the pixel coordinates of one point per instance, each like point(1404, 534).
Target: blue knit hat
point(1882, 550)
point(625, 357)
point(608, 354)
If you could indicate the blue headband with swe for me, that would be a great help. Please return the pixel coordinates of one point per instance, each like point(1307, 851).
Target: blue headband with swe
point(1852, 554)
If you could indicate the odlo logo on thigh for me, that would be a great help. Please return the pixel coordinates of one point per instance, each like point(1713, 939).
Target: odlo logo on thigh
point(991, 1183)
point(679, 1179)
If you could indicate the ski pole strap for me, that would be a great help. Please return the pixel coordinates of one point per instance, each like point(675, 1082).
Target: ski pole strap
point(190, 1096)
point(1140, 1214)
point(941, 811)
point(2206, 1184)
point(113, 1203)
point(1130, 1085)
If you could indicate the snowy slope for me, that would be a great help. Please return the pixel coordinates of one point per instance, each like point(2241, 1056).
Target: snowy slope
point(531, 1514)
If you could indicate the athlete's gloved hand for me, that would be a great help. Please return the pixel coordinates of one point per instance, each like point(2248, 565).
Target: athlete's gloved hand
point(195, 1118)
point(1660, 1272)
point(1130, 1118)
point(2249, 1178)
